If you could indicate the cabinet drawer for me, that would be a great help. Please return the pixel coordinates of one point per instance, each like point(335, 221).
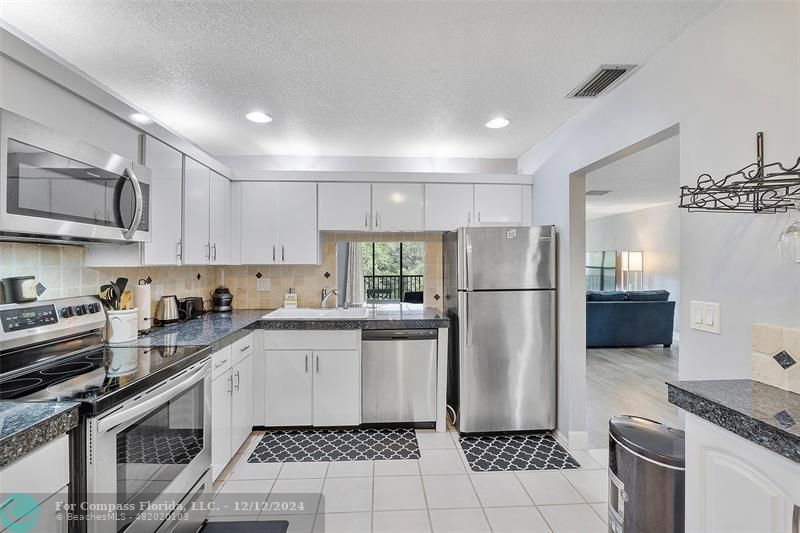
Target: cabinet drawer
point(312, 340)
point(221, 362)
point(40, 473)
point(51, 515)
point(242, 348)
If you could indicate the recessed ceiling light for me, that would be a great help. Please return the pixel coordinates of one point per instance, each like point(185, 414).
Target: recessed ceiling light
point(498, 122)
point(258, 116)
point(140, 118)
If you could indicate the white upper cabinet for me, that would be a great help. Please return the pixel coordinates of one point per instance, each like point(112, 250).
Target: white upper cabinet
point(259, 231)
point(279, 223)
point(345, 206)
point(197, 215)
point(166, 195)
point(220, 219)
point(297, 223)
point(498, 204)
point(448, 206)
point(397, 207)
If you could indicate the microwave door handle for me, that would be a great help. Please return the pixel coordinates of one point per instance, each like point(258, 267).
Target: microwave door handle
point(137, 212)
point(138, 409)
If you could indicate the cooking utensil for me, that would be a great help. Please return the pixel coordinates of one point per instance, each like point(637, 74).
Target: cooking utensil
point(122, 283)
point(107, 296)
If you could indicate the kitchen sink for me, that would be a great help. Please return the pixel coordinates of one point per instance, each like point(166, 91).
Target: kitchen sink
point(353, 313)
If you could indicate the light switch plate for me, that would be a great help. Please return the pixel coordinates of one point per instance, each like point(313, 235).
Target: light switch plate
point(705, 316)
point(263, 284)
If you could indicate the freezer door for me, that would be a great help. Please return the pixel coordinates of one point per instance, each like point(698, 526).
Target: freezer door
point(507, 258)
point(507, 361)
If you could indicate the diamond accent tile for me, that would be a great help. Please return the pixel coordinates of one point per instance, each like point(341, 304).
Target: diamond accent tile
point(501, 453)
point(785, 419)
point(259, 275)
point(784, 359)
point(199, 276)
point(327, 275)
point(436, 297)
point(335, 445)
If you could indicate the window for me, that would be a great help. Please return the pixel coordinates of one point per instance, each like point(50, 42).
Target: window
point(394, 271)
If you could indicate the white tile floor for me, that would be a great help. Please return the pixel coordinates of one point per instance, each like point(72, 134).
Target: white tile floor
point(437, 493)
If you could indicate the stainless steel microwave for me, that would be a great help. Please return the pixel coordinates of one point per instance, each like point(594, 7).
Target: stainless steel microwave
point(54, 187)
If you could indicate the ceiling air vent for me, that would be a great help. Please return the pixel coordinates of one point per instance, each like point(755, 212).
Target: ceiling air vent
point(601, 80)
point(596, 193)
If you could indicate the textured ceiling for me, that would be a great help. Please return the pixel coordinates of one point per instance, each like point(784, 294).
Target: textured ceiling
point(648, 178)
point(352, 78)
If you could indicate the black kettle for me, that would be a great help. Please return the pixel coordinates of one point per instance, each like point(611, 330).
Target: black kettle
point(222, 300)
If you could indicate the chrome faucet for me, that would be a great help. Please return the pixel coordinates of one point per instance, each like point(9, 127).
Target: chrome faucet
point(327, 293)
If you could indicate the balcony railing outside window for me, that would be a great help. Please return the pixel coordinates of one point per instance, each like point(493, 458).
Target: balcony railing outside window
point(392, 288)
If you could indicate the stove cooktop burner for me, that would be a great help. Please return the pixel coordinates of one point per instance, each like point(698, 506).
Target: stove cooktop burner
point(94, 374)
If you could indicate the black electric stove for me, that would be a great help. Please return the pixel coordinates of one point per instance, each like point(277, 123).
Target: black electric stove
point(79, 366)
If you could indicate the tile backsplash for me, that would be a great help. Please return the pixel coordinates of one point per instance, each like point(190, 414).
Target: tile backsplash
point(776, 356)
point(63, 271)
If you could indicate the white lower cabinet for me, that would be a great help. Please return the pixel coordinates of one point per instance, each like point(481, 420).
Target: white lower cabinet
point(42, 475)
point(312, 378)
point(232, 394)
point(734, 485)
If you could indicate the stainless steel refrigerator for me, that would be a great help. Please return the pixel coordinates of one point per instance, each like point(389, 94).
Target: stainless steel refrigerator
point(500, 293)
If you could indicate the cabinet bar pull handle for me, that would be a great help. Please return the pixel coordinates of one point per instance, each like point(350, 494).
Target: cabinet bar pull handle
point(377, 219)
point(283, 252)
point(230, 384)
point(366, 219)
point(245, 348)
point(179, 251)
point(479, 216)
point(238, 380)
point(10, 499)
point(306, 363)
point(214, 246)
point(221, 363)
point(208, 251)
point(469, 218)
point(796, 519)
point(317, 364)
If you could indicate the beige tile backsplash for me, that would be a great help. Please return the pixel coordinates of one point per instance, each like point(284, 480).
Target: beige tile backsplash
point(769, 340)
point(62, 270)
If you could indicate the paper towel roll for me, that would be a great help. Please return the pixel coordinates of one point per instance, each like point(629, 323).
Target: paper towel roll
point(142, 302)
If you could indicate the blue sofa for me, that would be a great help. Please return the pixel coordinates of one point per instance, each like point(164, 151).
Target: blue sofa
point(631, 318)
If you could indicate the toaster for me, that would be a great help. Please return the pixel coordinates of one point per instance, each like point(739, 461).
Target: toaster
point(191, 307)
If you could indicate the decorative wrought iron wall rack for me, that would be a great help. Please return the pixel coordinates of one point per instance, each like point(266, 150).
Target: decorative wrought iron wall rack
point(757, 188)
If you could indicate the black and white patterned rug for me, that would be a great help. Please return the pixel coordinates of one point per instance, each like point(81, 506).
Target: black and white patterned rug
point(499, 453)
point(296, 446)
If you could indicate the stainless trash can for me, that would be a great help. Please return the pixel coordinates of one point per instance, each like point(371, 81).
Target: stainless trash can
point(646, 471)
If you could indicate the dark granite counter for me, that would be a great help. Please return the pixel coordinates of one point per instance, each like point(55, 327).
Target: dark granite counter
point(765, 415)
point(25, 426)
point(385, 318)
point(220, 329)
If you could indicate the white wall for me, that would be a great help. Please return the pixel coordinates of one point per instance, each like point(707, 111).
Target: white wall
point(655, 231)
point(733, 74)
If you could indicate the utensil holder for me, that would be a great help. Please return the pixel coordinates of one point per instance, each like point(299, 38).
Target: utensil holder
point(121, 326)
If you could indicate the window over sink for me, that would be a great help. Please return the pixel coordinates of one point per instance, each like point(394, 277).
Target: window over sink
point(379, 273)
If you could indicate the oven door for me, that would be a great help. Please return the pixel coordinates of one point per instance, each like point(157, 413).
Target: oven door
point(56, 187)
point(147, 455)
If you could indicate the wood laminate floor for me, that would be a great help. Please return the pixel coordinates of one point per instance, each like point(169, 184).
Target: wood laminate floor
point(628, 381)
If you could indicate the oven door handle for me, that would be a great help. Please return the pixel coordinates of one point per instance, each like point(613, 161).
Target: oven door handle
point(136, 410)
point(137, 212)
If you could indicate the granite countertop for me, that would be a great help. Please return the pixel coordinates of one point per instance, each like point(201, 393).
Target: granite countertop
point(760, 413)
point(25, 426)
point(380, 318)
point(218, 329)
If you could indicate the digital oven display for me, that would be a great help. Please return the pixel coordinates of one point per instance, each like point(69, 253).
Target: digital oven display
point(30, 317)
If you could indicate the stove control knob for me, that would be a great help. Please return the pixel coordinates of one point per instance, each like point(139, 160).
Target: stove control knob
point(67, 312)
point(80, 310)
point(94, 308)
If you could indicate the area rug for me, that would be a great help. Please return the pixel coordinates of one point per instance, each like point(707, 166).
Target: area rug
point(295, 446)
point(509, 452)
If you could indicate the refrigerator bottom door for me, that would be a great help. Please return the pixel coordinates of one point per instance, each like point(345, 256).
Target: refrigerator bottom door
point(507, 361)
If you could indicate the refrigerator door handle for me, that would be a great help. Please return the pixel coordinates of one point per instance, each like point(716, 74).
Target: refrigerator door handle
point(467, 257)
point(467, 331)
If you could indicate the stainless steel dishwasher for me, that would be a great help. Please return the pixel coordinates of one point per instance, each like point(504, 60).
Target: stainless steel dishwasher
point(398, 375)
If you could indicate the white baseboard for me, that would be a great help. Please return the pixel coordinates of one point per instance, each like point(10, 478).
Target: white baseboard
point(574, 440)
